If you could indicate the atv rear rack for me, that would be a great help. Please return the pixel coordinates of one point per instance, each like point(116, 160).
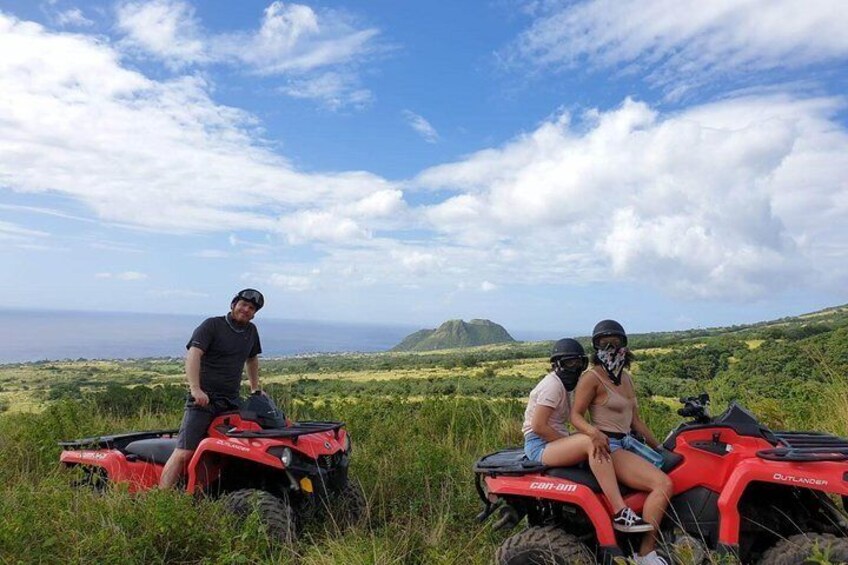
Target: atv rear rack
point(807, 446)
point(508, 462)
point(294, 431)
point(115, 441)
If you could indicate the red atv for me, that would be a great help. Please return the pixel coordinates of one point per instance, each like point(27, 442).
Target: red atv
point(739, 489)
point(289, 472)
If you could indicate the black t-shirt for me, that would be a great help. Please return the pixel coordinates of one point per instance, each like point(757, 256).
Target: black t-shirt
point(226, 348)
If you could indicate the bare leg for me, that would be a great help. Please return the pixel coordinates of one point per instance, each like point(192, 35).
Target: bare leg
point(637, 473)
point(575, 448)
point(175, 468)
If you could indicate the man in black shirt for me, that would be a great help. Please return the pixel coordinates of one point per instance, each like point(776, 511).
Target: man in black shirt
point(219, 350)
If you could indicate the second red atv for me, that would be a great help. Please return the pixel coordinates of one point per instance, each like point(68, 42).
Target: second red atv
point(739, 489)
point(288, 473)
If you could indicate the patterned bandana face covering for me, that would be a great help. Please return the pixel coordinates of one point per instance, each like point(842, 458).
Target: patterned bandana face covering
point(613, 361)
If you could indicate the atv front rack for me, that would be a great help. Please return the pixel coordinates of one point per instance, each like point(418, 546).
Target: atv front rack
point(115, 441)
point(806, 446)
point(293, 432)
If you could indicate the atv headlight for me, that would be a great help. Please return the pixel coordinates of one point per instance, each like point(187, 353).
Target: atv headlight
point(286, 456)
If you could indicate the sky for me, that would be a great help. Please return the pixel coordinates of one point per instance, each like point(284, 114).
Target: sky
point(540, 163)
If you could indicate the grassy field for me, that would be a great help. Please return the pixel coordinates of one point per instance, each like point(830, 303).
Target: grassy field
point(419, 421)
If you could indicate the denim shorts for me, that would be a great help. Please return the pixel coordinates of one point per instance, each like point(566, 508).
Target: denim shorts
point(615, 444)
point(534, 446)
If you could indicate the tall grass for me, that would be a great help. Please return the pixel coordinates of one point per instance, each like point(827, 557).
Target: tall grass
point(413, 459)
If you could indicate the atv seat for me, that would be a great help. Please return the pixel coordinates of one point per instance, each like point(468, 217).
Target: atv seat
point(581, 474)
point(152, 450)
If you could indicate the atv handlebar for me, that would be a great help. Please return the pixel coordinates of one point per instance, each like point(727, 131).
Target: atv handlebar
point(696, 407)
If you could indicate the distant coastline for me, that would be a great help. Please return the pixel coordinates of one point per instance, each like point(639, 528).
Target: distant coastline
point(27, 335)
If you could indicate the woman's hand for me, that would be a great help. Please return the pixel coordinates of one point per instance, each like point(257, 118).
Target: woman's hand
point(600, 445)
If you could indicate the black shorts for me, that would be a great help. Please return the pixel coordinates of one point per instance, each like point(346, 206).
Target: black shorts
point(196, 419)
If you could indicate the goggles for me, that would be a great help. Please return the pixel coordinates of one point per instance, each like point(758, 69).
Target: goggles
point(251, 295)
point(570, 361)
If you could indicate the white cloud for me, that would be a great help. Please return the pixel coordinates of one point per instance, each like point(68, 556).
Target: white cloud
point(380, 204)
point(123, 276)
point(293, 37)
point(20, 235)
point(72, 17)
point(310, 225)
point(486, 286)
point(174, 293)
point(685, 43)
point(167, 29)
point(293, 283)
point(158, 155)
point(334, 90)
point(728, 199)
point(417, 261)
point(421, 126)
point(211, 254)
point(318, 52)
point(116, 247)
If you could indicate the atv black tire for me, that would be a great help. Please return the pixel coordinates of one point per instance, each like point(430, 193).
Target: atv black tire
point(91, 478)
point(798, 549)
point(546, 545)
point(274, 513)
point(350, 508)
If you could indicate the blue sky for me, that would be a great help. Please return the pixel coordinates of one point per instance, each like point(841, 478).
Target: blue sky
point(544, 164)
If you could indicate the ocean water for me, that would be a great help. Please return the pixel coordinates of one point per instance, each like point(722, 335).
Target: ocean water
point(45, 335)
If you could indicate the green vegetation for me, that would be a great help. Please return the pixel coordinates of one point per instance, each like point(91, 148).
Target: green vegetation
point(419, 421)
point(455, 333)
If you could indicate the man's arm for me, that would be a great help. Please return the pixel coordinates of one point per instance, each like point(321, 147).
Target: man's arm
point(252, 365)
point(192, 371)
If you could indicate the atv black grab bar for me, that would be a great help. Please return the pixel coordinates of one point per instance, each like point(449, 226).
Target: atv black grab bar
point(115, 441)
point(293, 431)
point(804, 454)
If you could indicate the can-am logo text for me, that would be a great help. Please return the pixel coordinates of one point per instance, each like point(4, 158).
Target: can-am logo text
point(557, 487)
point(799, 480)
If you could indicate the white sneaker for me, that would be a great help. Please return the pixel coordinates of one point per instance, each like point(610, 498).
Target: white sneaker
point(649, 559)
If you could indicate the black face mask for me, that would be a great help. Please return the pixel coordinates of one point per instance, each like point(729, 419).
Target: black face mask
point(568, 375)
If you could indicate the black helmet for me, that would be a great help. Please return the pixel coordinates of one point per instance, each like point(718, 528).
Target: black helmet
point(606, 328)
point(566, 348)
point(261, 409)
point(250, 295)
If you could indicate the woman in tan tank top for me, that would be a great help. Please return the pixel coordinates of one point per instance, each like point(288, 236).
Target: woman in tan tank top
point(606, 391)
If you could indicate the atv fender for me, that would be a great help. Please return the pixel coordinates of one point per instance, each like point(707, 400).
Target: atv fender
point(561, 491)
point(138, 475)
point(826, 476)
point(238, 449)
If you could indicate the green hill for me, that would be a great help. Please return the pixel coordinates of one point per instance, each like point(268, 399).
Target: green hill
point(454, 334)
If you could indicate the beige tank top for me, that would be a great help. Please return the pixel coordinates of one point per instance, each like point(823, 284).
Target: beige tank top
point(615, 414)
